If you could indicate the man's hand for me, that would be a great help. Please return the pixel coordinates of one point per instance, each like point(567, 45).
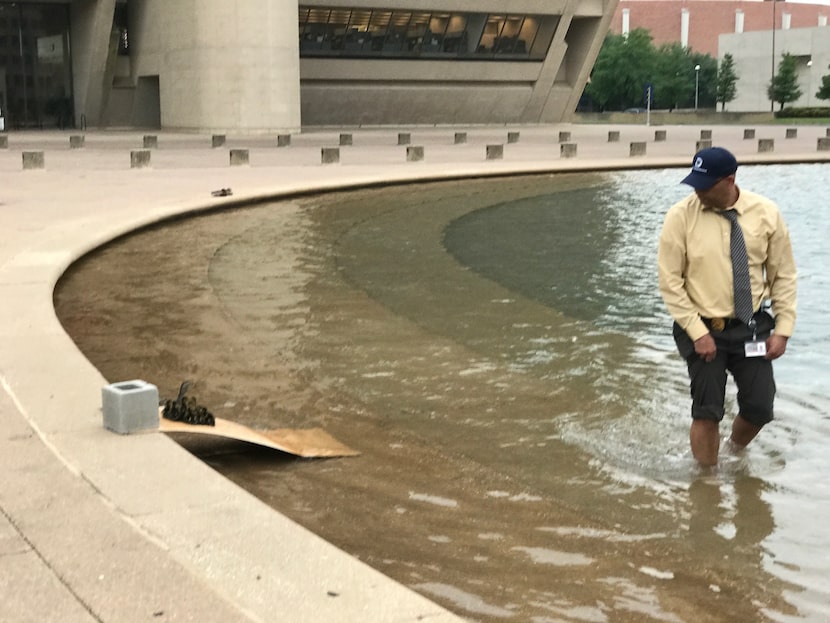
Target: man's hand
point(705, 347)
point(776, 346)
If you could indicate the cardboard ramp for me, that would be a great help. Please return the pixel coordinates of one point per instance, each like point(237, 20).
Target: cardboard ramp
point(306, 443)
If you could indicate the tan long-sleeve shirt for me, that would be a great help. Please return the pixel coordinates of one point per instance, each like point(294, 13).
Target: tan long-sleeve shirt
point(695, 267)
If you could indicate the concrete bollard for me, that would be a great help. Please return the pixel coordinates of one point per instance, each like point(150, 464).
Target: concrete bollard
point(823, 143)
point(659, 136)
point(4, 141)
point(706, 135)
point(703, 144)
point(749, 134)
point(329, 155)
point(151, 141)
point(139, 158)
point(217, 140)
point(564, 137)
point(414, 153)
point(792, 133)
point(766, 145)
point(76, 141)
point(495, 152)
point(130, 406)
point(637, 148)
point(613, 136)
point(827, 132)
point(239, 157)
point(567, 150)
point(283, 140)
point(346, 139)
point(460, 137)
point(404, 138)
point(512, 137)
point(33, 160)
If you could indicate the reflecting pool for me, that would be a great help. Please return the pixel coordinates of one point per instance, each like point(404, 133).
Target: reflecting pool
point(499, 353)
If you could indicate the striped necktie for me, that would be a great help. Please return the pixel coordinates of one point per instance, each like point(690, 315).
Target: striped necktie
point(744, 309)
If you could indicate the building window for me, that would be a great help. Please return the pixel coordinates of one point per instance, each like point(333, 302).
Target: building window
point(387, 33)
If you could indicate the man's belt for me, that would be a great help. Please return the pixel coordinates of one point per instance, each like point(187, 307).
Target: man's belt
point(721, 324)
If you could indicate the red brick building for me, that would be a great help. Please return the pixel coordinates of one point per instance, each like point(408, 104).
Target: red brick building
point(697, 23)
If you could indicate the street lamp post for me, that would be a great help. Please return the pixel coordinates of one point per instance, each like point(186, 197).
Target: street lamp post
point(772, 79)
point(697, 84)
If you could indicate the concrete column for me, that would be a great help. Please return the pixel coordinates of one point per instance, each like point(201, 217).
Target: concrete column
point(684, 27)
point(626, 21)
point(637, 148)
point(749, 134)
point(495, 152)
point(33, 160)
point(766, 145)
point(414, 153)
point(739, 21)
point(140, 158)
point(613, 136)
point(404, 138)
point(567, 150)
point(93, 58)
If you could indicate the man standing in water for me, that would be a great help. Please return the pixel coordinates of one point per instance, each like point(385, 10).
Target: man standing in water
point(724, 256)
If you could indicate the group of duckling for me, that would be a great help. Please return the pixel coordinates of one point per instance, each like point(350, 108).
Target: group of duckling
point(185, 409)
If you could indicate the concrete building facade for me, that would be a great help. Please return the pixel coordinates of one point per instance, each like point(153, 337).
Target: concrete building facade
point(276, 65)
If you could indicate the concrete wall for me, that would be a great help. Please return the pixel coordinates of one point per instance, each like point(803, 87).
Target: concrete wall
point(221, 66)
point(752, 52)
point(91, 24)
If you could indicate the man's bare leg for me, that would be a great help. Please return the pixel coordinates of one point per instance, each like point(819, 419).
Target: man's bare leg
point(742, 432)
point(705, 441)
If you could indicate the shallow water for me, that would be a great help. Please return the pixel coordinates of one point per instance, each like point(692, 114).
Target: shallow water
point(498, 352)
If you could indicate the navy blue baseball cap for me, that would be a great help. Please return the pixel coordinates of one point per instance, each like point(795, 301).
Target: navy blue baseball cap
point(710, 165)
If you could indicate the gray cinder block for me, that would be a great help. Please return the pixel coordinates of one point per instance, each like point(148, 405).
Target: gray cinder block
point(217, 140)
point(283, 140)
point(151, 141)
point(404, 138)
point(637, 148)
point(130, 406)
point(33, 160)
point(495, 152)
point(139, 158)
point(706, 135)
point(749, 133)
point(346, 139)
point(613, 136)
point(330, 155)
point(659, 136)
point(792, 133)
point(567, 150)
point(414, 153)
point(512, 137)
point(239, 157)
point(823, 143)
point(766, 145)
point(76, 141)
point(461, 137)
point(703, 144)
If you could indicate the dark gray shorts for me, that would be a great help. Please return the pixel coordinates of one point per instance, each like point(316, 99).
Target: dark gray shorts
point(753, 375)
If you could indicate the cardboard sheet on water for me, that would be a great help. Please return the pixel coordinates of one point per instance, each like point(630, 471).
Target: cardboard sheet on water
point(307, 443)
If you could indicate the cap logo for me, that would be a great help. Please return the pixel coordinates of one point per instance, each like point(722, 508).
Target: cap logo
point(699, 165)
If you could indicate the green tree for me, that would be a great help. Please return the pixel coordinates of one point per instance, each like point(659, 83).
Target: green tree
point(672, 67)
point(622, 69)
point(727, 79)
point(823, 92)
point(783, 88)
